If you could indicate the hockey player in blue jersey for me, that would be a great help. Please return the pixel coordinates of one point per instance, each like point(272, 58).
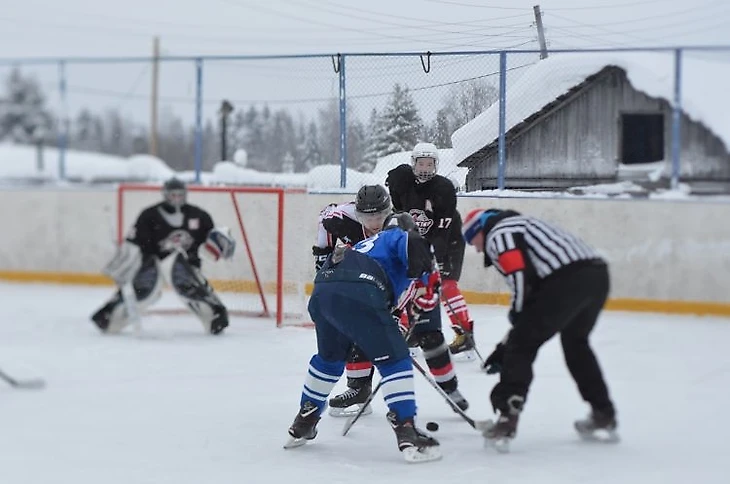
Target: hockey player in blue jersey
point(355, 295)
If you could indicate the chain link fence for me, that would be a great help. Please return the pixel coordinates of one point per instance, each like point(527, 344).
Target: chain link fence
point(333, 122)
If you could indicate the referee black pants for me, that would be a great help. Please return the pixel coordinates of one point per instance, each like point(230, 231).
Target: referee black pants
point(568, 302)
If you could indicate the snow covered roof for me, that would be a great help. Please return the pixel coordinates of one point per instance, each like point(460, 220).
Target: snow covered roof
point(704, 92)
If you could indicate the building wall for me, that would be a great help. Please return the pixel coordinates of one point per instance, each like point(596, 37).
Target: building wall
point(580, 141)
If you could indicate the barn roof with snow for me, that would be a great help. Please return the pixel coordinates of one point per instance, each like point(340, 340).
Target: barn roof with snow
point(704, 94)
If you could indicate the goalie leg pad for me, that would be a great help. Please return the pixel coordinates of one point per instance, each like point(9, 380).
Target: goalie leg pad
point(147, 284)
point(190, 285)
point(125, 264)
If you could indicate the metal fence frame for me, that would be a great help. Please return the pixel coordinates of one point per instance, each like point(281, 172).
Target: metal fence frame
point(339, 62)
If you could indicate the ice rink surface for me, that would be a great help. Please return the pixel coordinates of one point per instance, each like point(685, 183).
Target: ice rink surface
point(177, 406)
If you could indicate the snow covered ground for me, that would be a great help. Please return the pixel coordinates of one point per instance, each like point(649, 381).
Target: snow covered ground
point(177, 406)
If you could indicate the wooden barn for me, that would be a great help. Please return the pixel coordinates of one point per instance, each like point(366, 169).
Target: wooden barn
point(575, 120)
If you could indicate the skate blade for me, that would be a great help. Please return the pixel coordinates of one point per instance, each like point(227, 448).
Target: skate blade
point(600, 436)
point(415, 455)
point(294, 442)
point(350, 411)
point(415, 351)
point(464, 356)
point(500, 444)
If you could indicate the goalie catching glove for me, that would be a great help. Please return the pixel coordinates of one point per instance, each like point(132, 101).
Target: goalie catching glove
point(219, 244)
point(427, 293)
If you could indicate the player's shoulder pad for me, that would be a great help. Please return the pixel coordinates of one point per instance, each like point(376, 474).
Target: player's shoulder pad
point(442, 185)
point(400, 178)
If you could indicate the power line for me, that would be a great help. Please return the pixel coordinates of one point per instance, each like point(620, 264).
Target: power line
point(592, 7)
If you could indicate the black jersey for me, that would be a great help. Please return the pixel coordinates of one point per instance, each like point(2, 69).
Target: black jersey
point(159, 231)
point(339, 222)
point(526, 250)
point(431, 204)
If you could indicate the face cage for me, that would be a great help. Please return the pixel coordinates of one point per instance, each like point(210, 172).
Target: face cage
point(373, 222)
point(175, 198)
point(423, 176)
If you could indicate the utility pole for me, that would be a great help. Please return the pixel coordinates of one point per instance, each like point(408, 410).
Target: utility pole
point(540, 32)
point(154, 95)
point(225, 110)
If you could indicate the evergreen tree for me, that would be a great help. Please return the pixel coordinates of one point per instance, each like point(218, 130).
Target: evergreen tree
point(23, 113)
point(311, 155)
point(399, 125)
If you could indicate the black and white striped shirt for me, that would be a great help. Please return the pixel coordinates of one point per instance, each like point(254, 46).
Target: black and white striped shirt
point(523, 248)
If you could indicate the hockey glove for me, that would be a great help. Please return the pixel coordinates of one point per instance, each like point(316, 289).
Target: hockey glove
point(320, 256)
point(493, 363)
point(427, 297)
point(219, 244)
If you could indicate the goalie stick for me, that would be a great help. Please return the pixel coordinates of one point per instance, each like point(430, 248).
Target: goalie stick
point(478, 425)
point(28, 384)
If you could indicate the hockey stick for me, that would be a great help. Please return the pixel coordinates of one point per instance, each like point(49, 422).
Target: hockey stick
point(351, 421)
point(29, 384)
point(478, 425)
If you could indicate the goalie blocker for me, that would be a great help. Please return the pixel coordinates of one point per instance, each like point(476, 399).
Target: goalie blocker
point(165, 247)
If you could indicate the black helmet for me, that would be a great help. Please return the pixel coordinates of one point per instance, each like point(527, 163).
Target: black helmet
point(174, 193)
point(372, 199)
point(401, 220)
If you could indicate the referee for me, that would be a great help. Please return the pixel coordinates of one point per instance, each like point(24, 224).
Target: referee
point(559, 284)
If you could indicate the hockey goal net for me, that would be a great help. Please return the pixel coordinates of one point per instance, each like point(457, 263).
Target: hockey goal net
point(251, 284)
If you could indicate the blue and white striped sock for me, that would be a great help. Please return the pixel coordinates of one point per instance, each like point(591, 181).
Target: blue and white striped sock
point(398, 388)
point(321, 378)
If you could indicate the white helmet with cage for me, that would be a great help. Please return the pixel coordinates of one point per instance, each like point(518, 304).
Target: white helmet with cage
point(424, 161)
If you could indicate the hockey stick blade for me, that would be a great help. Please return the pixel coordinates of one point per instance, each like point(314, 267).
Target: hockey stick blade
point(28, 384)
point(361, 411)
point(478, 425)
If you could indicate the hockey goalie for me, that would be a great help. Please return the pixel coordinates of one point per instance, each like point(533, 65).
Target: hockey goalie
point(165, 246)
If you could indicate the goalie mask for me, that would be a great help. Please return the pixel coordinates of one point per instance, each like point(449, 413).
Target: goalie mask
point(424, 161)
point(174, 193)
point(372, 206)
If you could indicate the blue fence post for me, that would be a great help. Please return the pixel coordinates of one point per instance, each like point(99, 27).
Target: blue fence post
point(198, 119)
point(343, 123)
point(677, 119)
point(502, 114)
point(63, 128)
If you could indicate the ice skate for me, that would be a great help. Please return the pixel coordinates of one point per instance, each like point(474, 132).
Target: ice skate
point(416, 445)
point(598, 427)
point(349, 402)
point(458, 399)
point(304, 427)
point(499, 434)
point(463, 344)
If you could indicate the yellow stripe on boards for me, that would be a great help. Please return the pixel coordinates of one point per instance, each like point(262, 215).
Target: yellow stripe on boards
point(502, 299)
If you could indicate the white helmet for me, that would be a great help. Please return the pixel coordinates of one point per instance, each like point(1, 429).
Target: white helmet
point(424, 150)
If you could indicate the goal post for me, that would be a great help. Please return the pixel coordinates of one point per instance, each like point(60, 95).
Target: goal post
point(254, 277)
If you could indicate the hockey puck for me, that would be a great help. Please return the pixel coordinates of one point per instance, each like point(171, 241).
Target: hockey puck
point(432, 426)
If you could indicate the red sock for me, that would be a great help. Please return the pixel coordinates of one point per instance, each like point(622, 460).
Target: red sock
point(456, 305)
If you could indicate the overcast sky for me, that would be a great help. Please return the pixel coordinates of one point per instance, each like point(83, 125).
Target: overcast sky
point(50, 28)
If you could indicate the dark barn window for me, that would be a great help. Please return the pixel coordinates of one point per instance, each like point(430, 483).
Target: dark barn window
point(642, 138)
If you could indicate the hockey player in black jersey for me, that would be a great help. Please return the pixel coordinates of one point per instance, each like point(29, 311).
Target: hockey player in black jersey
point(165, 244)
point(431, 200)
point(339, 224)
point(342, 223)
point(559, 285)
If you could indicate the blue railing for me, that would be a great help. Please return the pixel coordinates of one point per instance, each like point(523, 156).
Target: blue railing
point(350, 83)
